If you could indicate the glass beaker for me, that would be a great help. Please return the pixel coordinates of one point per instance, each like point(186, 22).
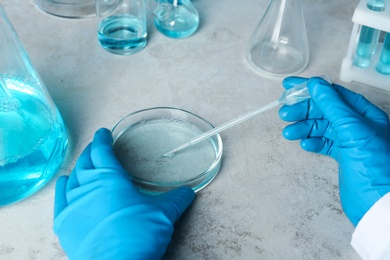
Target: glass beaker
point(174, 18)
point(33, 137)
point(68, 8)
point(279, 45)
point(122, 25)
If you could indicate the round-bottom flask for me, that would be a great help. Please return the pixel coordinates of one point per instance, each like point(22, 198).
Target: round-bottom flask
point(176, 18)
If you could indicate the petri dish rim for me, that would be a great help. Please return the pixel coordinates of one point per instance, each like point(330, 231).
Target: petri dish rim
point(212, 170)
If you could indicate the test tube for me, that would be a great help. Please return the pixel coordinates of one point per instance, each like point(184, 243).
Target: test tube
point(383, 65)
point(368, 41)
point(376, 5)
point(369, 37)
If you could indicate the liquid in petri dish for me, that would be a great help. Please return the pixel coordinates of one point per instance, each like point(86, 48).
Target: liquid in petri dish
point(177, 22)
point(122, 34)
point(140, 147)
point(33, 143)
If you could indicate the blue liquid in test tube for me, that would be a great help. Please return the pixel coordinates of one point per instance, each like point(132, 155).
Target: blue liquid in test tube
point(368, 40)
point(384, 61)
point(376, 5)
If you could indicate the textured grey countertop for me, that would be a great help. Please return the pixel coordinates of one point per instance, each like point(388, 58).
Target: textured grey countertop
point(271, 200)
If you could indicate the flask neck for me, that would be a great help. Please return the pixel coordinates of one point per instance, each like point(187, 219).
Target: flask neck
point(286, 3)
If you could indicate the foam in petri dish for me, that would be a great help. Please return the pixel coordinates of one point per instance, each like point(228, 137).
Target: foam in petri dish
point(140, 145)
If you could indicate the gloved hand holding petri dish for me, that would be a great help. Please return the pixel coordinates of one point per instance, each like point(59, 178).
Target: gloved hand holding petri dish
point(141, 138)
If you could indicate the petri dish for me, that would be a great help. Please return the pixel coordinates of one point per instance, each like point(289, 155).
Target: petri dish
point(143, 137)
point(68, 8)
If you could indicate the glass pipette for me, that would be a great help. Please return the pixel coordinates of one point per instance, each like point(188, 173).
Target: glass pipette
point(289, 97)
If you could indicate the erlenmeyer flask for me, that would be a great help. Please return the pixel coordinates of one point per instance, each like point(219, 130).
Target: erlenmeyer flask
point(174, 18)
point(68, 8)
point(33, 138)
point(279, 45)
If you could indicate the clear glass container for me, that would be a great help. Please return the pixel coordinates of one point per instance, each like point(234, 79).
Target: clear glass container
point(383, 65)
point(68, 8)
point(279, 45)
point(142, 138)
point(122, 25)
point(174, 18)
point(33, 137)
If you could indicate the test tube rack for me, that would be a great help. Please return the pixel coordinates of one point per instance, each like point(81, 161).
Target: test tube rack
point(363, 16)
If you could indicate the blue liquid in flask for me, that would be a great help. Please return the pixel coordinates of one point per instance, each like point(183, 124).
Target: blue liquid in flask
point(179, 21)
point(122, 34)
point(34, 142)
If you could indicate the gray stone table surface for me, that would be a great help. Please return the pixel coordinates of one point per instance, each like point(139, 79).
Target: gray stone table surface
point(271, 200)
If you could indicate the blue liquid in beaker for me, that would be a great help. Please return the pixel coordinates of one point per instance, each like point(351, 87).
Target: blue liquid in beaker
point(122, 34)
point(33, 140)
point(178, 21)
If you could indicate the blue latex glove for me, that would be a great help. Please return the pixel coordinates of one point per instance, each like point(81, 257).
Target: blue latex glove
point(100, 214)
point(346, 126)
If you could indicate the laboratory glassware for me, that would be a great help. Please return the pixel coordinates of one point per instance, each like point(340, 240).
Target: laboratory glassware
point(33, 137)
point(368, 41)
point(142, 136)
point(383, 65)
point(374, 72)
point(122, 25)
point(368, 38)
point(68, 8)
point(174, 18)
point(289, 97)
point(376, 5)
point(279, 45)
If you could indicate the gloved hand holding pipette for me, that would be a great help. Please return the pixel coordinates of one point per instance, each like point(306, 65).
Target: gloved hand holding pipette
point(346, 126)
point(291, 96)
point(100, 214)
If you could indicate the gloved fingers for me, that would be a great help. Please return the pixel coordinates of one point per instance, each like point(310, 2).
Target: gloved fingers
point(60, 202)
point(295, 112)
point(300, 111)
point(176, 201)
point(84, 161)
point(73, 181)
point(361, 105)
point(102, 154)
point(328, 100)
point(317, 145)
point(292, 81)
point(83, 164)
point(306, 129)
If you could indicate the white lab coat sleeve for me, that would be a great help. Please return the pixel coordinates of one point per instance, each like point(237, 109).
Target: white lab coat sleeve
point(371, 238)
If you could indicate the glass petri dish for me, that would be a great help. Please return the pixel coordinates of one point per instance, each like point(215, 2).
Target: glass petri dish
point(68, 8)
point(143, 137)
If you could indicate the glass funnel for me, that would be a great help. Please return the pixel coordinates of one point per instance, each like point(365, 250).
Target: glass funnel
point(279, 45)
point(33, 138)
point(174, 18)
